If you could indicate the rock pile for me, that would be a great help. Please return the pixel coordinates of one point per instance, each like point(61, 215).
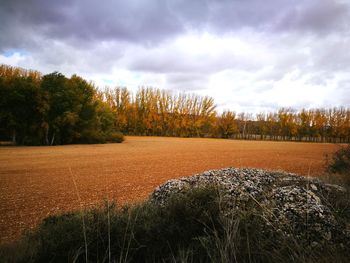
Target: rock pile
point(291, 204)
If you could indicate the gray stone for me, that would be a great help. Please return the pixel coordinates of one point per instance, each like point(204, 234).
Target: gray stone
point(292, 203)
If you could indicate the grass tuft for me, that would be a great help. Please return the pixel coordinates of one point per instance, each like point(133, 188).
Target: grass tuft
point(190, 227)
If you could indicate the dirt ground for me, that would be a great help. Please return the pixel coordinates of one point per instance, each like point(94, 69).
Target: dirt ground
point(39, 181)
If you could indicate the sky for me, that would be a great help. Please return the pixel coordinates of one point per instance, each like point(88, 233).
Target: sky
point(249, 55)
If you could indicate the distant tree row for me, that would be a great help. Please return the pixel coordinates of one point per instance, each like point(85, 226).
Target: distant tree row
point(53, 109)
point(158, 112)
point(317, 125)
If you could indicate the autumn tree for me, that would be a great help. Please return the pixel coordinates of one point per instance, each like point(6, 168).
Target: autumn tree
point(262, 125)
point(54, 109)
point(226, 124)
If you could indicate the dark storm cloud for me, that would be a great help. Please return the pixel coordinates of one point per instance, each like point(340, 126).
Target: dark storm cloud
point(150, 22)
point(87, 20)
point(255, 49)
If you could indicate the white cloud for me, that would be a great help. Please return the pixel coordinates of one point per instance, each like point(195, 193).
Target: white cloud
point(14, 59)
point(248, 55)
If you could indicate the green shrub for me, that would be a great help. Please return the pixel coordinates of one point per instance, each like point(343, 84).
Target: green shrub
point(339, 166)
point(90, 137)
point(190, 227)
point(146, 232)
point(116, 137)
point(340, 162)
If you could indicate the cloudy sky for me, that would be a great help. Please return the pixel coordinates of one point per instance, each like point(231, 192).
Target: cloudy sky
point(250, 55)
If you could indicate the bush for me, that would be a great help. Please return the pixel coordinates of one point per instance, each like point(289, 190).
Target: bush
point(190, 227)
point(339, 166)
point(340, 162)
point(90, 137)
point(141, 233)
point(116, 137)
point(93, 137)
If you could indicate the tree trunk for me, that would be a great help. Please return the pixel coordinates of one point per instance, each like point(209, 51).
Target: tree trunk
point(14, 136)
point(47, 136)
point(52, 139)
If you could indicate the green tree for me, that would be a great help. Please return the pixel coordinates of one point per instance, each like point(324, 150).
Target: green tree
point(20, 109)
point(57, 114)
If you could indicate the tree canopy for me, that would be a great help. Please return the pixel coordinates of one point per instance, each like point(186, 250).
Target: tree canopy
point(52, 109)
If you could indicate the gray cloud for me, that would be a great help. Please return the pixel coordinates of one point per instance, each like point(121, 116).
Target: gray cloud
point(277, 43)
point(88, 20)
point(150, 22)
point(178, 62)
point(316, 16)
point(186, 81)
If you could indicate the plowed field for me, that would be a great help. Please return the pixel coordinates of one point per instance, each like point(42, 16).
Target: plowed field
point(39, 181)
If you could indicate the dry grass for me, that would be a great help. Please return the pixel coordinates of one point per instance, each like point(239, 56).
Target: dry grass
point(36, 181)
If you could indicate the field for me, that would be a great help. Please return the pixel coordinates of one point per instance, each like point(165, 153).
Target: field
point(39, 181)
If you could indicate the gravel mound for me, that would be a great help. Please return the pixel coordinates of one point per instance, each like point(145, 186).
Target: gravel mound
point(290, 204)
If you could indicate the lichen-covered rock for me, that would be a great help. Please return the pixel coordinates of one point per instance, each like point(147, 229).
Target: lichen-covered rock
point(290, 204)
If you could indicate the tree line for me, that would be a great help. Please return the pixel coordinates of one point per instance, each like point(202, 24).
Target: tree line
point(53, 109)
point(161, 113)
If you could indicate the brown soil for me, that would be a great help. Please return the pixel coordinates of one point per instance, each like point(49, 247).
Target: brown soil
point(39, 181)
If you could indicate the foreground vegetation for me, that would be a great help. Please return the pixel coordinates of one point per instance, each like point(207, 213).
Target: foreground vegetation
point(55, 109)
point(338, 167)
point(190, 227)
